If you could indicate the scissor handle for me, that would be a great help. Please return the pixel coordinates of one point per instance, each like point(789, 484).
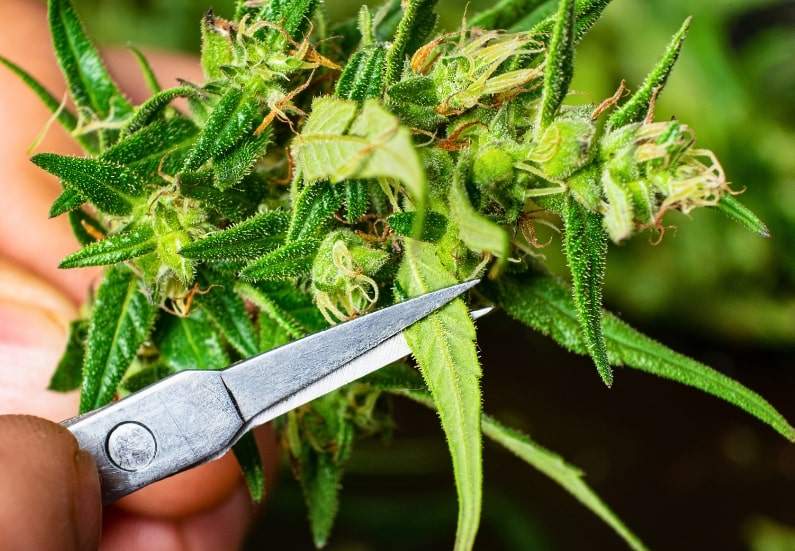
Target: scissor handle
point(180, 422)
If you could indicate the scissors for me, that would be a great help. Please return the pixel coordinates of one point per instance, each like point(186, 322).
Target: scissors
point(196, 416)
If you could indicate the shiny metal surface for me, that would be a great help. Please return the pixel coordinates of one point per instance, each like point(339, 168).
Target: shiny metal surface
point(196, 416)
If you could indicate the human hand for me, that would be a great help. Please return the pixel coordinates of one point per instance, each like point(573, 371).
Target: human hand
point(206, 508)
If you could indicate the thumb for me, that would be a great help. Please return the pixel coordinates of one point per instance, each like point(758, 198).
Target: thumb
point(51, 497)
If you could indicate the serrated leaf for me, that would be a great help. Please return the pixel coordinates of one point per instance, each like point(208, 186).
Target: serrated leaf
point(636, 107)
point(227, 311)
point(363, 77)
point(291, 260)
point(476, 231)
point(230, 169)
point(585, 243)
point(587, 13)
point(232, 204)
point(246, 240)
point(522, 446)
point(320, 479)
point(150, 78)
point(69, 200)
point(444, 347)
point(113, 249)
point(89, 82)
point(248, 457)
point(154, 106)
point(191, 343)
point(156, 149)
point(559, 65)
point(232, 119)
point(112, 188)
point(545, 304)
point(734, 209)
point(357, 200)
point(85, 227)
point(69, 372)
point(415, 27)
point(314, 207)
point(64, 115)
point(376, 145)
point(403, 224)
point(268, 305)
point(121, 321)
point(504, 14)
point(216, 46)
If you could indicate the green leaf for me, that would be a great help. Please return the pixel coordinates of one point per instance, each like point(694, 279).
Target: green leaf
point(444, 347)
point(268, 305)
point(232, 204)
point(146, 70)
point(248, 457)
point(320, 480)
point(271, 334)
point(504, 14)
point(88, 80)
point(228, 312)
point(156, 149)
point(376, 145)
point(314, 207)
point(121, 321)
point(64, 115)
point(113, 249)
point(553, 466)
point(246, 240)
point(85, 227)
point(545, 304)
point(734, 209)
point(112, 188)
point(476, 231)
point(636, 107)
point(363, 77)
point(291, 260)
point(538, 457)
point(357, 200)
point(154, 106)
point(69, 200)
point(586, 252)
point(216, 46)
point(145, 377)
point(419, 20)
point(191, 343)
point(69, 372)
point(230, 169)
point(559, 68)
point(232, 119)
point(403, 224)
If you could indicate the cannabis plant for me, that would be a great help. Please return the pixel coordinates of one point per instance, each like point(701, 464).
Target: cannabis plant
point(324, 170)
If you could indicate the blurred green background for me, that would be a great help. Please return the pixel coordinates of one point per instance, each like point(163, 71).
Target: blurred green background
point(684, 471)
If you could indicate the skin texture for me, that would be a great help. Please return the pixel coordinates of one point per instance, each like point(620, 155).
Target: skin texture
point(206, 508)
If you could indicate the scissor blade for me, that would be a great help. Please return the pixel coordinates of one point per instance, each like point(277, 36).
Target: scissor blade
point(268, 385)
point(388, 352)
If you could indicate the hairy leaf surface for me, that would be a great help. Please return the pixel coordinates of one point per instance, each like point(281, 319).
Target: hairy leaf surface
point(734, 209)
point(559, 68)
point(113, 249)
point(246, 240)
point(443, 345)
point(69, 372)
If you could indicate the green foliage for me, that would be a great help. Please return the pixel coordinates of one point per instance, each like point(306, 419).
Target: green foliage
point(110, 187)
point(543, 303)
point(586, 252)
point(69, 373)
point(559, 68)
point(291, 196)
point(443, 345)
point(734, 209)
point(113, 249)
point(121, 320)
point(152, 83)
point(636, 108)
point(247, 455)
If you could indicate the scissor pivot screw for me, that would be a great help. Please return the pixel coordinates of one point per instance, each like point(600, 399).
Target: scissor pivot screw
point(131, 446)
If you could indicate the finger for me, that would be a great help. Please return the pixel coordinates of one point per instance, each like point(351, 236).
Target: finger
point(51, 497)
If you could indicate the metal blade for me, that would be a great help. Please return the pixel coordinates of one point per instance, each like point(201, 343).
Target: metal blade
point(388, 352)
point(271, 384)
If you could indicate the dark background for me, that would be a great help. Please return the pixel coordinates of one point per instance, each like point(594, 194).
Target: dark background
point(683, 470)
